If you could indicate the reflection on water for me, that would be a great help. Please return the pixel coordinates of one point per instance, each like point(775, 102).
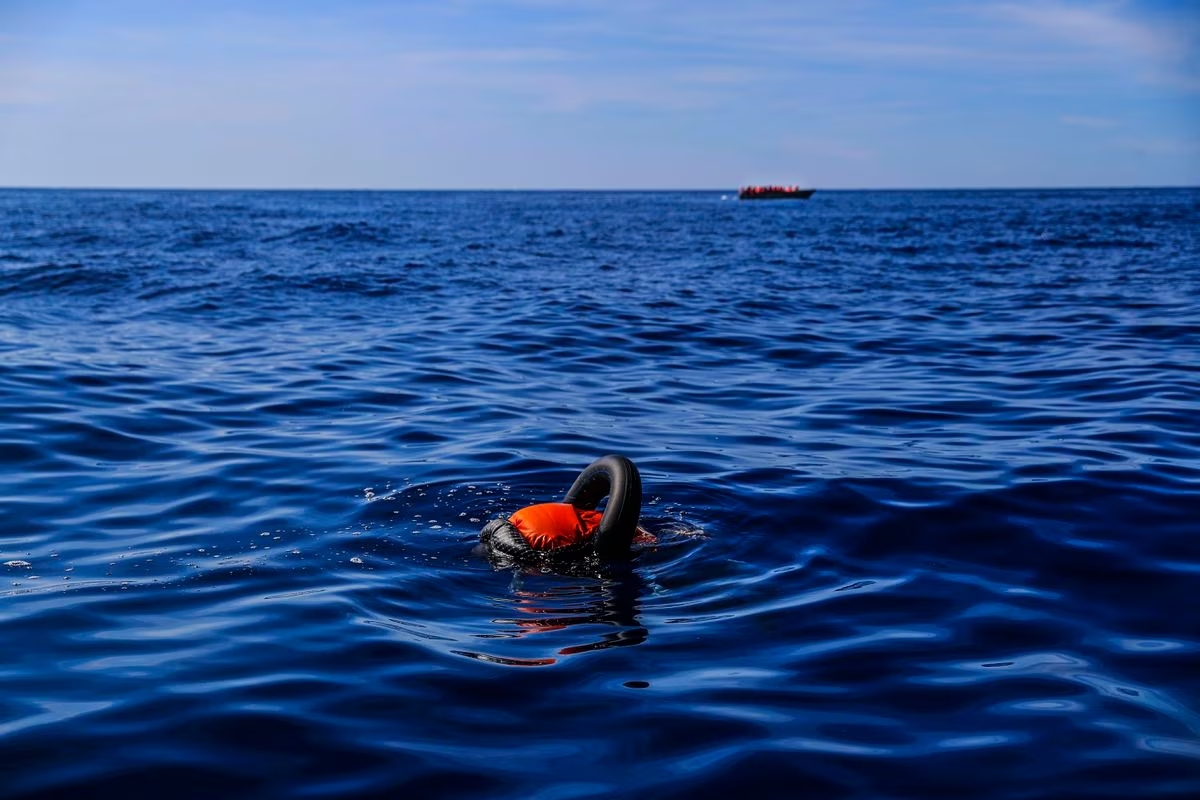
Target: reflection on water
point(591, 614)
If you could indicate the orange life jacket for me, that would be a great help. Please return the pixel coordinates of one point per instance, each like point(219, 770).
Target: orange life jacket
point(547, 526)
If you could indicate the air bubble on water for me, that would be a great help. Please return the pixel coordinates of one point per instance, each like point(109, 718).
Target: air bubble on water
point(16, 562)
point(356, 560)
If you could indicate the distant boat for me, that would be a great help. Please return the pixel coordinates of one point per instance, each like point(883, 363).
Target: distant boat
point(774, 193)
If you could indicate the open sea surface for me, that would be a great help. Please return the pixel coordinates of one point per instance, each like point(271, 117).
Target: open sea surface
point(922, 468)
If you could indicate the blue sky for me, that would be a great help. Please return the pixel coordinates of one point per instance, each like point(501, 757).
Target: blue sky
point(599, 93)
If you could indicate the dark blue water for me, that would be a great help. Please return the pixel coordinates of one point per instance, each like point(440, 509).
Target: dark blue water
point(923, 470)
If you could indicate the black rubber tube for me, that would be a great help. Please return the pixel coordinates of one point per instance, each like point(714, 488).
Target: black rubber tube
point(616, 478)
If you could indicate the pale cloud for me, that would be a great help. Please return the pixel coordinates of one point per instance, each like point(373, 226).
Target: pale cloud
point(1098, 27)
point(1088, 122)
point(866, 34)
point(567, 93)
point(1150, 51)
point(718, 76)
point(486, 56)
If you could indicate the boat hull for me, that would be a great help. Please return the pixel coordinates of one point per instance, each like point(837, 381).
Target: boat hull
point(770, 194)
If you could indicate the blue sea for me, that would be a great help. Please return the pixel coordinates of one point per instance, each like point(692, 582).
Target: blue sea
point(922, 471)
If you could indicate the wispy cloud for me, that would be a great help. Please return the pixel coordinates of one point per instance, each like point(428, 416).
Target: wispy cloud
point(1097, 26)
point(1088, 122)
point(1158, 50)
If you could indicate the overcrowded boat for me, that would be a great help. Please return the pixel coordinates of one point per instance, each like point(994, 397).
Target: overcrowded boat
point(774, 193)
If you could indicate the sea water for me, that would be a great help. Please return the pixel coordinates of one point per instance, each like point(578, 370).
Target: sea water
point(922, 470)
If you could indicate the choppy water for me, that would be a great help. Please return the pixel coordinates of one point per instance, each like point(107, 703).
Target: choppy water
point(923, 469)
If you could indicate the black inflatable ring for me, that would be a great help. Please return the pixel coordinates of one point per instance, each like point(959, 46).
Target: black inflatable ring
point(616, 478)
point(611, 476)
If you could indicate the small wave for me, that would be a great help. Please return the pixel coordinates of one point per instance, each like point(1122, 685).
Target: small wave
point(1084, 242)
point(52, 278)
point(337, 233)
